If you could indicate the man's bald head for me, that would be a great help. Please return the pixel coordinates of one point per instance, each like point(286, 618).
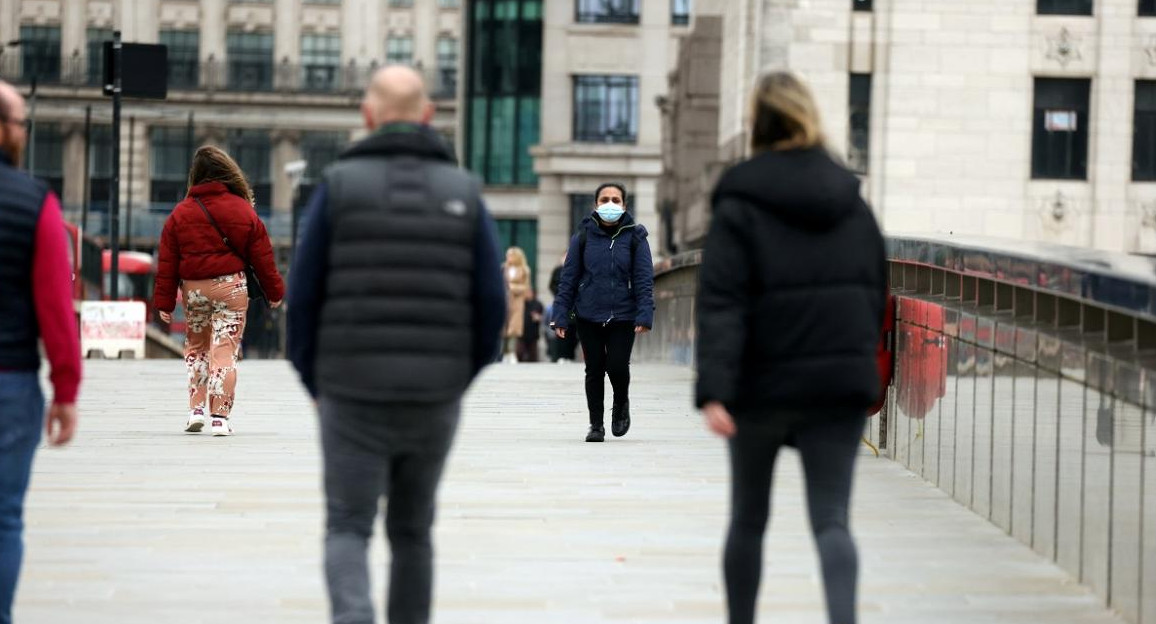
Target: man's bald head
point(396, 93)
point(13, 137)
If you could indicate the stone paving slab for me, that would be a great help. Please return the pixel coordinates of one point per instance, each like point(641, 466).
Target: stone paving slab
point(138, 522)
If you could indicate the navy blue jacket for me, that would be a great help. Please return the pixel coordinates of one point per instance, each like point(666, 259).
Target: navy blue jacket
point(307, 291)
point(608, 287)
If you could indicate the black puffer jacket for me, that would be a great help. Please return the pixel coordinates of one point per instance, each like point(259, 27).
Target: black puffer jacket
point(792, 289)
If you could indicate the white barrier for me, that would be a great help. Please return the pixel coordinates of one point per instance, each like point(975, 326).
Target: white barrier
point(110, 328)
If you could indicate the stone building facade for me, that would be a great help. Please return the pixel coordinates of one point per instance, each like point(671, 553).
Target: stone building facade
point(1027, 119)
point(273, 81)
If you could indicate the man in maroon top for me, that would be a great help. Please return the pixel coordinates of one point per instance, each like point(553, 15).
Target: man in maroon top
point(35, 305)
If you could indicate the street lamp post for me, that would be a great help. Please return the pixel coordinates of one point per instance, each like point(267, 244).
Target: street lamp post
point(296, 171)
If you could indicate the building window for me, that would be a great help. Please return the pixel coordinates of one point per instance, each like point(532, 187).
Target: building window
point(607, 11)
point(47, 156)
point(449, 4)
point(447, 66)
point(320, 61)
point(100, 166)
point(581, 206)
point(96, 39)
point(40, 52)
point(1060, 129)
point(401, 4)
point(250, 61)
point(318, 150)
point(252, 149)
point(399, 50)
point(183, 50)
point(503, 92)
point(862, 5)
point(859, 139)
point(1147, 8)
point(1144, 132)
point(1064, 7)
point(171, 153)
point(680, 12)
point(606, 109)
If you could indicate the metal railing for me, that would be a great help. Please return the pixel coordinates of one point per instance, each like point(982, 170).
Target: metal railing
point(227, 75)
point(1025, 388)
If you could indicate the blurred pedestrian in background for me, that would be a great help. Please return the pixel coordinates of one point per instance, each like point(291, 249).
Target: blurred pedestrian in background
point(561, 349)
point(528, 346)
point(517, 272)
point(790, 310)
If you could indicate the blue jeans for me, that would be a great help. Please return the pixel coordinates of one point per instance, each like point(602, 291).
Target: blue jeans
point(21, 422)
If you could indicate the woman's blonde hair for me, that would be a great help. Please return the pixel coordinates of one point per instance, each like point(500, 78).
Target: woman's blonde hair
point(212, 164)
point(519, 257)
point(784, 114)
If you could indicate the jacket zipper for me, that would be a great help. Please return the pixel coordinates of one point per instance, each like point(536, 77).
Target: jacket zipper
point(612, 240)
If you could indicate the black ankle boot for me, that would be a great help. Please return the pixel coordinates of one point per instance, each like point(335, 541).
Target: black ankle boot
point(596, 434)
point(620, 419)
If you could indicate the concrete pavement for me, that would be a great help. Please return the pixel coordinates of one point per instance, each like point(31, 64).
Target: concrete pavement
point(139, 522)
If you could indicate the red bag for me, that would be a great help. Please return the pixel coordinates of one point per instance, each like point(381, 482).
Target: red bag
point(885, 354)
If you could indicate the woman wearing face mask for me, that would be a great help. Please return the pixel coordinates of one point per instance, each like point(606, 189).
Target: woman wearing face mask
point(606, 293)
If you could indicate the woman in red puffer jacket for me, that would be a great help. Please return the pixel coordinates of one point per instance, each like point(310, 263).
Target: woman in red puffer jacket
point(195, 258)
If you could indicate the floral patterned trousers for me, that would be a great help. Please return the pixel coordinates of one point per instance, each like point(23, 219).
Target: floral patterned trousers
point(215, 312)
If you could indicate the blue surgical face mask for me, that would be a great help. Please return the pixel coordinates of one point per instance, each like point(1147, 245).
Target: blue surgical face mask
point(610, 213)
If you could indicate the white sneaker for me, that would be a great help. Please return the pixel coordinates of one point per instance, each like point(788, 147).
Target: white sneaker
point(221, 427)
point(196, 422)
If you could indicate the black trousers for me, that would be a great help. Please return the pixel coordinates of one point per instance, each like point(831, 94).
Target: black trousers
point(607, 349)
point(828, 444)
point(564, 348)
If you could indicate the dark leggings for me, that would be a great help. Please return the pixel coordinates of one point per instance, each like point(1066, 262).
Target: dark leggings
point(606, 348)
point(828, 447)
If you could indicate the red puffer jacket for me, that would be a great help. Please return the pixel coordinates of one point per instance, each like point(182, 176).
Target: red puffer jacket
point(190, 249)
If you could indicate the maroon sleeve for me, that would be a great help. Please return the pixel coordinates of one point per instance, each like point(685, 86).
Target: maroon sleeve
point(168, 268)
point(264, 262)
point(52, 297)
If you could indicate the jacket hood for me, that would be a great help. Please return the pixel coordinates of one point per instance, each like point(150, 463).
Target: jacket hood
point(803, 188)
point(594, 225)
point(403, 139)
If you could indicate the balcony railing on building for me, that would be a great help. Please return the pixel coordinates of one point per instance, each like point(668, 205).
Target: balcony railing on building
point(240, 76)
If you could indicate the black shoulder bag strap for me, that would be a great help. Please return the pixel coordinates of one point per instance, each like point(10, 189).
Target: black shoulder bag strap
point(256, 291)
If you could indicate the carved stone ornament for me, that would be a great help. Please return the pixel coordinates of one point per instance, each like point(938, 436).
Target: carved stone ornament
point(1147, 215)
point(1150, 50)
point(1064, 48)
point(1058, 213)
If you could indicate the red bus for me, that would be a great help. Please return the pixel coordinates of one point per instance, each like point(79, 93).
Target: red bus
point(91, 271)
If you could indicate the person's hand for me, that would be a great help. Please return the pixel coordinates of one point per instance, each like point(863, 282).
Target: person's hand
point(561, 332)
point(718, 419)
point(61, 423)
point(641, 330)
point(166, 316)
point(275, 304)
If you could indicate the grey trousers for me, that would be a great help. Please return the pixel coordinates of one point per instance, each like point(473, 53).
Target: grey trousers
point(382, 450)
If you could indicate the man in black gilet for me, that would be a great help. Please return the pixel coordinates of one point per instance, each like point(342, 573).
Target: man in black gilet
point(396, 303)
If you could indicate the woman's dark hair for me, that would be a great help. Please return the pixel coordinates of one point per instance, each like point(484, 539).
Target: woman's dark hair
point(621, 189)
point(212, 164)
